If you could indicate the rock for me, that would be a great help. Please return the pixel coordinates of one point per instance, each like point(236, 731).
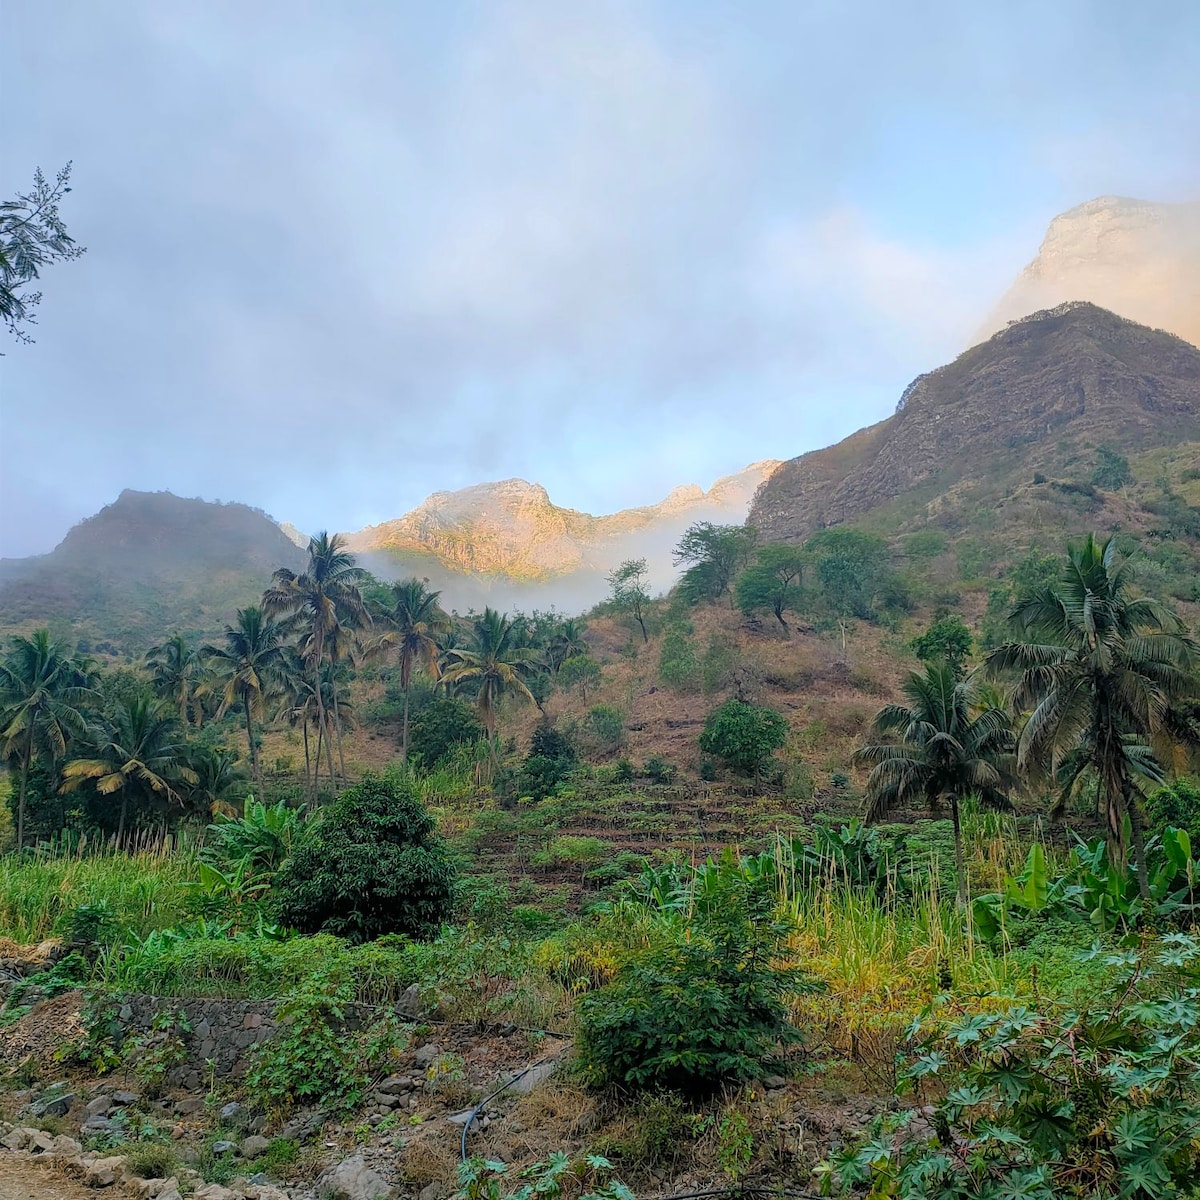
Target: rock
point(231, 1112)
point(254, 1146)
point(534, 1076)
point(145, 1189)
point(396, 1084)
point(99, 1106)
point(224, 1147)
point(385, 1100)
point(124, 1099)
point(171, 1191)
point(65, 1147)
point(95, 1125)
point(103, 1172)
point(433, 1191)
point(774, 1082)
point(17, 1139)
point(426, 1054)
point(189, 1105)
point(352, 1179)
point(461, 1118)
point(41, 1142)
point(214, 1191)
point(59, 1106)
point(267, 1192)
point(409, 1005)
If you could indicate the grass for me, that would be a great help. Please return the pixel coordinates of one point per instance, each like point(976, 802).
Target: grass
point(144, 891)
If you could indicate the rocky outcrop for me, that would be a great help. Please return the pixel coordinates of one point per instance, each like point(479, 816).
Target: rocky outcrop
point(1137, 258)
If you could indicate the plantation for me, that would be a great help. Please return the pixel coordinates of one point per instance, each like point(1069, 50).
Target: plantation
point(833, 900)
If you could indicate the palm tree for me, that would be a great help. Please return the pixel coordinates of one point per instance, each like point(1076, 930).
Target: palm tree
point(1104, 676)
point(217, 775)
point(414, 624)
point(174, 672)
point(945, 748)
point(325, 604)
point(566, 642)
point(249, 667)
point(495, 663)
point(139, 753)
point(42, 691)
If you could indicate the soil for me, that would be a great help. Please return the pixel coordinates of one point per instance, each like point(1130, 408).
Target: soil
point(32, 1181)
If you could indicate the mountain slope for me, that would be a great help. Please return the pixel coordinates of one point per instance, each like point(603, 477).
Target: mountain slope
point(1139, 259)
point(1035, 399)
point(147, 563)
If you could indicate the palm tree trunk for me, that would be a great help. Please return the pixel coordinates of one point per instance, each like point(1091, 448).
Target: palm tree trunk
point(404, 736)
point(253, 748)
point(317, 763)
point(960, 869)
point(321, 718)
point(308, 786)
point(121, 819)
point(1139, 844)
point(25, 761)
point(337, 724)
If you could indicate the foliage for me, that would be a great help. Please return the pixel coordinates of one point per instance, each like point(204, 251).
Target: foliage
point(704, 1003)
point(1111, 470)
point(744, 735)
point(607, 726)
point(580, 671)
point(439, 725)
point(678, 665)
point(32, 237)
point(262, 837)
point(714, 554)
point(1176, 804)
point(850, 566)
point(630, 593)
point(496, 664)
point(774, 582)
point(551, 759)
point(556, 1177)
point(947, 639)
point(658, 770)
point(369, 864)
point(1051, 1101)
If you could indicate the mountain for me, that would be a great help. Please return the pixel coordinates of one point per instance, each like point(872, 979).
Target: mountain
point(1139, 259)
point(1032, 402)
point(508, 542)
point(147, 563)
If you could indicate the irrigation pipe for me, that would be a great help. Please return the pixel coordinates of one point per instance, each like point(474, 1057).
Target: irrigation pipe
point(498, 1092)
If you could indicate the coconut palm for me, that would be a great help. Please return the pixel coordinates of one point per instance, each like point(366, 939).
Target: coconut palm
point(495, 663)
point(1104, 676)
point(566, 642)
point(941, 747)
point(248, 668)
point(325, 605)
point(217, 779)
point(175, 669)
point(414, 627)
point(43, 691)
point(139, 753)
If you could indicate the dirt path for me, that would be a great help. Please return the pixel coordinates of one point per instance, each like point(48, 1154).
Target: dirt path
point(24, 1180)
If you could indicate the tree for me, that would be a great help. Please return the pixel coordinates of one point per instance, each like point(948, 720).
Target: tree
point(744, 735)
point(565, 642)
point(139, 754)
point(368, 864)
point(218, 779)
point(414, 624)
point(1103, 675)
point(439, 725)
point(495, 664)
point(850, 566)
point(629, 591)
point(773, 582)
point(581, 671)
point(947, 640)
point(716, 554)
point(250, 668)
point(1112, 469)
point(325, 604)
point(43, 691)
point(175, 673)
point(945, 748)
point(32, 236)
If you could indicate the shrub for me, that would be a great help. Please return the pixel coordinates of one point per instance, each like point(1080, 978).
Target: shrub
point(744, 735)
point(658, 770)
point(370, 864)
point(607, 726)
point(1178, 804)
point(550, 760)
point(579, 671)
point(1112, 469)
point(678, 666)
point(947, 640)
point(703, 1005)
point(440, 725)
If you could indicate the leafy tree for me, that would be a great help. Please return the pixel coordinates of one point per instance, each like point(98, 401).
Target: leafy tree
point(43, 694)
point(678, 664)
point(324, 603)
point(439, 725)
point(368, 864)
point(1177, 804)
point(32, 236)
point(496, 664)
point(414, 624)
point(175, 670)
point(850, 567)
point(552, 757)
point(630, 593)
point(947, 640)
point(1112, 469)
point(774, 582)
point(744, 735)
point(942, 751)
point(218, 778)
point(1102, 674)
point(716, 553)
point(139, 754)
point(581, 671)
point(565, 642)
point(249, 669)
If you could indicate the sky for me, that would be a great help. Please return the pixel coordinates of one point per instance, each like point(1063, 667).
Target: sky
point(345, 253)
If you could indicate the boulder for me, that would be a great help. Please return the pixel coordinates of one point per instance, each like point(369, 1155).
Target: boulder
point(99, 1106)
point(232, 1112)
point(104, 1172)
point(254, 1146)
point(124, 1099)
point(426, 1055)
point(433, 1191)
point(214, 1191)
point(224, 1146)
point(352, 1179)
point(189, 1105)
point(58, 1106)
point(65, 1147)
point(41, 1142)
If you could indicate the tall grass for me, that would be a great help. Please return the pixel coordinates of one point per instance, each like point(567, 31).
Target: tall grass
point(144, 890)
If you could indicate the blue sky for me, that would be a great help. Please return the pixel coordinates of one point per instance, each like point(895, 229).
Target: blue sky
point(345, 254)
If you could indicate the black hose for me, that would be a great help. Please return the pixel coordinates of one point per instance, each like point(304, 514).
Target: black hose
point(498, 1092)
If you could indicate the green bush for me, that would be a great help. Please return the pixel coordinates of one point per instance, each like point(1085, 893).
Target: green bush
point(704, 1005)
point(370, 864)
point(607, 726)
point(440, 725)
point(551, 759)
point(678, 666)
point(744, 735)
point(658, 770)
point(1177, 804)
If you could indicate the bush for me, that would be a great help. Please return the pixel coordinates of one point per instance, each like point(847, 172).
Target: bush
point(440, 725)
point(1177, 804)
point(658, 770)
point(550, 760)
point(370, 864)
point(607, 726)
point(702, 1006)
point(678, 666)
point(744, 735)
